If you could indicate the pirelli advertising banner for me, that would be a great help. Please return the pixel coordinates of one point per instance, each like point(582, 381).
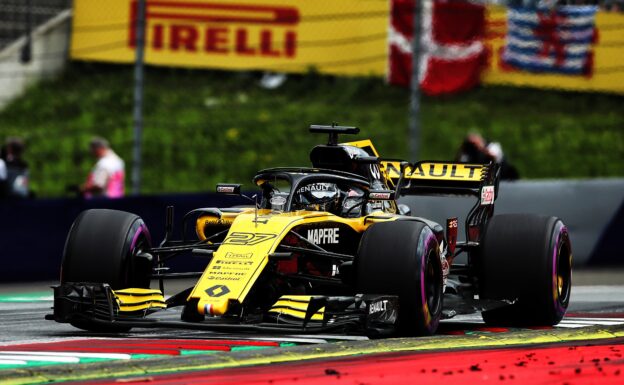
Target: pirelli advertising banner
point(338, 37)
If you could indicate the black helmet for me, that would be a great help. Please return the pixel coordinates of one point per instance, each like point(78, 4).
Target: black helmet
point(319, 196)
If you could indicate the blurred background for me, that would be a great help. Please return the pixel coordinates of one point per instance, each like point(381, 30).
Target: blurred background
point(191, 93)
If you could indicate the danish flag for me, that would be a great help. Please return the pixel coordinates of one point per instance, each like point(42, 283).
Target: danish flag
point(452, 51)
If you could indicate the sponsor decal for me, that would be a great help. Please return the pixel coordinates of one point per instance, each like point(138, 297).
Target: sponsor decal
point(217, 291)
point(487, 195)
point(225, 189)
point(218, 28)
point(314, 187)
point(235, 263)
point(215, 273)
point(445, 171)
point(379, 306)
point(216, 278)
point(226, 273)
point(323, 236)
point(238, 255)
point(380, 195)
point(247, 239)
point(451, 234)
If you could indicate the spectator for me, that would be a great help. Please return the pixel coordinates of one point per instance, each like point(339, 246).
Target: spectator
point(106, 179)
point(17, 173)
point(475, 149)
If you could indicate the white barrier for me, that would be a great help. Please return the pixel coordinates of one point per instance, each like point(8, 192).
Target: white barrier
point(50, 44)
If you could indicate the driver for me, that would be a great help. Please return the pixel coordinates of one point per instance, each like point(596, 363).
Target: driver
point(320, 196)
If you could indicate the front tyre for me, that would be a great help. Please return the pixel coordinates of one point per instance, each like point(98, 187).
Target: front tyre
point(402, 258)
point(526, 258)
point(104, 246)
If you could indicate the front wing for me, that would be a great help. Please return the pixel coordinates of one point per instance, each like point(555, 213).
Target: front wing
point(98, 304)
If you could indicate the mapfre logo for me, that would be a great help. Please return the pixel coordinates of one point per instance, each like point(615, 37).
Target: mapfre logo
point(219, 28)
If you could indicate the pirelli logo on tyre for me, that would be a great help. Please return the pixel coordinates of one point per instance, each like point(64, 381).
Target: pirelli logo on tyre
point(218, 28)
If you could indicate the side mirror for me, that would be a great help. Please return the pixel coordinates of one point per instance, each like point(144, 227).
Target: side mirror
point(235, 189)
point(229, 189)
point(404, 209)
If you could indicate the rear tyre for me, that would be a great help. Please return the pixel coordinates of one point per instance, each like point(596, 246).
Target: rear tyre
point(102, 247)
point(527, 258)
point(402, 258)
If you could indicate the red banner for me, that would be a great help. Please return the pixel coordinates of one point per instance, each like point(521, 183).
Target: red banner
point(453, 55)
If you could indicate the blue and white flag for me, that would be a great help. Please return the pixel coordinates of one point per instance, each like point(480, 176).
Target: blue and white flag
point(555, 40)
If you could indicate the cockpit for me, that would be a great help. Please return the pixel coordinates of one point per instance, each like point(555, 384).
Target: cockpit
point(341, 194)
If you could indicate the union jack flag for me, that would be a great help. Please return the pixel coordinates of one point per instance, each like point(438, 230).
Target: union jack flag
point(556, 40)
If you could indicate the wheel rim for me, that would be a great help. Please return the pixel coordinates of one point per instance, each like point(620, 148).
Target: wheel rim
point(433, 283)
point(138, 272)
point(563, 272)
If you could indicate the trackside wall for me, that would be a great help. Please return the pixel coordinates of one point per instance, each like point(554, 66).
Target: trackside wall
point(32, 233)
point(593, 210)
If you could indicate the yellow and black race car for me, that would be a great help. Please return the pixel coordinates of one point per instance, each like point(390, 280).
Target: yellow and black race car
point(324, 248)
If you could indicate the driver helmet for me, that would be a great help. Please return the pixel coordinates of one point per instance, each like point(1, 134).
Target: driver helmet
point(320, 196)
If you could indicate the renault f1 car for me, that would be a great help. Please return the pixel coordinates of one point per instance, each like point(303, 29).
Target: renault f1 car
point(324, 248)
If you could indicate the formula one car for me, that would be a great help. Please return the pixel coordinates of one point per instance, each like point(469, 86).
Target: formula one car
point(324, 248)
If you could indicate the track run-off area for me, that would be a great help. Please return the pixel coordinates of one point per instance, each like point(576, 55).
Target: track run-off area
point(586, 348)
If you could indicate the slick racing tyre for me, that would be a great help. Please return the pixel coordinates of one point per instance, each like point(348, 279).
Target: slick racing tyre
point(402, 258)
point(527, 259)
point(103, 247)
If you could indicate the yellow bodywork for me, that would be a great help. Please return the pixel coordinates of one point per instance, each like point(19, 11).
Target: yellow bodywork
point(296, 306)
point(138, 299)
point(243, 255)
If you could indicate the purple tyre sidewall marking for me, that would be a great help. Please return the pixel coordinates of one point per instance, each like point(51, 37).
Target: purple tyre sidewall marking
point(141, 229)
point(426, 239)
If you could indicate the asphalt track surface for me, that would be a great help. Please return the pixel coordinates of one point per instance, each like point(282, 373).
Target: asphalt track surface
point(587, 347)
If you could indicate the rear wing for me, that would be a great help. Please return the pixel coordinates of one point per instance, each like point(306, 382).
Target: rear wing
point(436, 177)
point(441, 178)
point(448, 178)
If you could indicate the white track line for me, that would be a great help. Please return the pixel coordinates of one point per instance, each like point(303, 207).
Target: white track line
point(571, 326)
point(289, 339)
point(335, 337)
point(69, 360)
point(591, 323)
point(595, 319)
point(110, 356)
point(12, 362)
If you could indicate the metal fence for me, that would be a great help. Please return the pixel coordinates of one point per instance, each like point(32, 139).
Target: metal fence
point(18, 16)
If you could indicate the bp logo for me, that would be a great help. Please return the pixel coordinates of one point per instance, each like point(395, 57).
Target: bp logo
point(217, 291)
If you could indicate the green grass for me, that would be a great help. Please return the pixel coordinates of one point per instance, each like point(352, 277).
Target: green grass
point(202, 127)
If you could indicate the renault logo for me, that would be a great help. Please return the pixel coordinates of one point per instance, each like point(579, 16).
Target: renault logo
point(217, 291)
